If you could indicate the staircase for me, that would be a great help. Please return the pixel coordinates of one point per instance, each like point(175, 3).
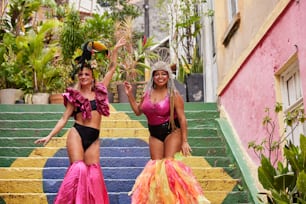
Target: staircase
point(33, 174)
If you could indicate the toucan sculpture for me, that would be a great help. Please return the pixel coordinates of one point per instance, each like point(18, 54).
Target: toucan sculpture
point(88, 49)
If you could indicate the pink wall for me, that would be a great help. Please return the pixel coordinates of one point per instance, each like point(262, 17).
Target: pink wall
point(252, 89)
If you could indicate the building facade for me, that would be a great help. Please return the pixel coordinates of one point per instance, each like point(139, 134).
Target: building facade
point(261, 61)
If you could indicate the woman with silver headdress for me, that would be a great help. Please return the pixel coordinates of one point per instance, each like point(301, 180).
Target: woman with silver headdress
point(164, 179)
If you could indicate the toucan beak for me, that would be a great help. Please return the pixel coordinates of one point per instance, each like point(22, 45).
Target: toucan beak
point(98, 46)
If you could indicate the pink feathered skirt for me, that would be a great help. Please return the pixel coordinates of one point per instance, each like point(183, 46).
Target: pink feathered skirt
point(167, 181)
point(83, 184)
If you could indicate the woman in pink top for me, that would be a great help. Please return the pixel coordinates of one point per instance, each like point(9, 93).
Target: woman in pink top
point(164, 179)
point(87, 102)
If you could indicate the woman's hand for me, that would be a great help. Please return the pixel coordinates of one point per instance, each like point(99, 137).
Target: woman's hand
point(120, 43)
point(128, 88)
point(186, 149)
point(43, 140)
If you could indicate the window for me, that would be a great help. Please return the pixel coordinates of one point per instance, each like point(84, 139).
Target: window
point(232, 9)
point(292, 98)
point(234, 21)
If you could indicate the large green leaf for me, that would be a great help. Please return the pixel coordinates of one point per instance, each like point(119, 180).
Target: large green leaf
point(266, 174)
point(292, 155)
point(301, 182)
point(280, 197)
point(303, 150)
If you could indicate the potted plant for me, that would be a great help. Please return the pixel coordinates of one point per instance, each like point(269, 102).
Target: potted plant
point(194, 78)
point(132, 57)
point(187, 27)
point(12, 81)
point(37, 56)
point(58, 82)
point(16, 20)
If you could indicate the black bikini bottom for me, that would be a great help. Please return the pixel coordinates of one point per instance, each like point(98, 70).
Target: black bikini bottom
point(87, 134)
point(163, 130)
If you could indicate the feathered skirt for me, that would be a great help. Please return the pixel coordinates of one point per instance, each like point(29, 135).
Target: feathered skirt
point(167, 181)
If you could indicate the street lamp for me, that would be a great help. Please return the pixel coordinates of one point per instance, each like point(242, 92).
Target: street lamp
point(146, 18)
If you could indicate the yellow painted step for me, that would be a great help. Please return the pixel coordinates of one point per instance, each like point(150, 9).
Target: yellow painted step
point(124, 132)
point(33, 198)
point(35, 185)
point(218, 184)
point(20, 173)
point(35, 161)
point(30, 162)
point(117, 116)
point(121, 124)
point(216, 197)
point(36, 173)
point(61, 141)
point(210, 173)
point(21, 186)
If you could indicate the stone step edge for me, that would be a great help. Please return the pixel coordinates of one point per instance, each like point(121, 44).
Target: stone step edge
point(104, 129)
point(113, 193)
point(109, 138)
point(105, 120)
point(106, 179)
point(111, 111)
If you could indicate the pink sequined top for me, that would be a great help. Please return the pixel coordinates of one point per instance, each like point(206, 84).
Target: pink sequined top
point(156, 113)
point(83, 104)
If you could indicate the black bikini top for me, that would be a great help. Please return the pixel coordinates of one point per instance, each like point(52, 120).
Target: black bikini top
point(93, 105)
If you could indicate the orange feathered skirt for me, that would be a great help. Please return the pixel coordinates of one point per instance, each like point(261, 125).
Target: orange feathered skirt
point(167, 181)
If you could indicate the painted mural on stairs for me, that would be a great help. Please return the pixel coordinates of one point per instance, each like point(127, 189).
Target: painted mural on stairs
point(124, 153)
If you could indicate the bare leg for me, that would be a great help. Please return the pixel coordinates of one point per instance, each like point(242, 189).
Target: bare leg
point(74, 146)
point(92, 154)
point(173, 143)
point(156, 148)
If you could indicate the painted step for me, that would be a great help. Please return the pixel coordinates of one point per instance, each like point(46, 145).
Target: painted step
point(113, 185)
point(216, 197)
point(61, 141)
point(109, 132)
point(124, 172)
point(38, 123)
point(213, 161)
point(106, 132)
point(105, 151)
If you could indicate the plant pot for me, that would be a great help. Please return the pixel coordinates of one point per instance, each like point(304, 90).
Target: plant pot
point(110, 97)
point(195, 91)
point(10, 96)
point(122, 97)
point(40, 98)
point(56, 98)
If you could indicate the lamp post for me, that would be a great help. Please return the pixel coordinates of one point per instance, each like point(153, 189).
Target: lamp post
point(146, 18)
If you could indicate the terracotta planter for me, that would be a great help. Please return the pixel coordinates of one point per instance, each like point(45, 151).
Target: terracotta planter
point(56, 98)
point(10, 96)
